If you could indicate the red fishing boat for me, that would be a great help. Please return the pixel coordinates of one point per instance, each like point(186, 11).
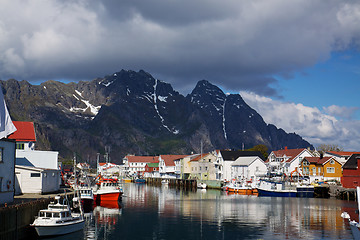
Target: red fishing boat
point(107, 189)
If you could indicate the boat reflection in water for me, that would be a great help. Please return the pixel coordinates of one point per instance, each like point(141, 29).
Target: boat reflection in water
point(164, 212)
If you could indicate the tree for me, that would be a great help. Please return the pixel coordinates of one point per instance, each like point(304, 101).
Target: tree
point(260, 148)
point(329, 147)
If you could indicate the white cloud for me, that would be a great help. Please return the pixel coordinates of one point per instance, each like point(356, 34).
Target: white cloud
point(341, 111)
point(309, 122)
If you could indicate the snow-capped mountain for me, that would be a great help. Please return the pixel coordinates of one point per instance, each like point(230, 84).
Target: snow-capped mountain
point(135, 113)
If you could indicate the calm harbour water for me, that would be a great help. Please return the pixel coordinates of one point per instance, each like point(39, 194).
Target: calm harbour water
point(149, 212)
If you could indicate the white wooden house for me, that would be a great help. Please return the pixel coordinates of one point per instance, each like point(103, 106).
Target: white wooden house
point(34, 160)
point(135, 165)
point(248, 168)
point(170, 166)
point(36, 180)
point(286, 160)
point(225, 159)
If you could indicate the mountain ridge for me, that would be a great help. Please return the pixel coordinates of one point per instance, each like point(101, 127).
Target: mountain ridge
point(135, 113)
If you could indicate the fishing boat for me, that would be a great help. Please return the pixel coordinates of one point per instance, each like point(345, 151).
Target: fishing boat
point(240, 188)
point(86, 198)
point(58, 219)
point(284, 189)
point(107, 189)
point(354, 225)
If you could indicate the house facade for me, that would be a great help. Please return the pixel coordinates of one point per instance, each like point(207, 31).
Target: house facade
point(170, 165)
point(321, 168)
point(341, 156)
point(152, 170)
point(36, 180)
point(225, 159)
point(185, 166)
point(7, 171)
point(203, 167)
point(248, 169)
point(286, 160)
point(351, 172)
point(135, 165)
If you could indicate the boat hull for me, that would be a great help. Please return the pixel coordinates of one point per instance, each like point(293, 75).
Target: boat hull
point(272, 193)
point(305, 192)
point(87, 204)
point(53, 230)
point(115, 196)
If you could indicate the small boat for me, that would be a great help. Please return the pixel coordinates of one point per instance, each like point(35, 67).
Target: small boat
point(86, 198)
point(240, 188)
point(354, 226)
point(107, 189)
point(58, 219)
point(140, 180)
point(201, 185)
point(165, 181)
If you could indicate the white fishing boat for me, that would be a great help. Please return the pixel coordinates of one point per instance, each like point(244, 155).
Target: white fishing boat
point(354, 226)
point(58, 219)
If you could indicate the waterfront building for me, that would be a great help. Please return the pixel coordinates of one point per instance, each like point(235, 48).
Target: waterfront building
point(351, 172)
point(170, 166)
point(248, 169)
point(225, 158)
point(135, 165)
point(28, 161)
point(185, 168)
point(321, 168)
point(7, 170)
point(286, 160)
point(341, 156)
point(36, 180)
point(204, 167)
point(108, 169)
point(152, 170)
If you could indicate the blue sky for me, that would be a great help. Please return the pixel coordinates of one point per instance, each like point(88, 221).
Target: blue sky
point(335, 81)
point(295, 62)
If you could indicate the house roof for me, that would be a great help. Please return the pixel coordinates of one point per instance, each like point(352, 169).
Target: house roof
point(145, 159)
point(200, 156)
point(352, 162)
point(318, 160)
point(153, 164)
point(244, 161)
point(342, 153)
point(229, 155)
point(291, 153)
point(169, 159)
point(25, 132)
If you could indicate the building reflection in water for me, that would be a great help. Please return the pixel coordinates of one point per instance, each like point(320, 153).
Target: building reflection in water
point(215, 210)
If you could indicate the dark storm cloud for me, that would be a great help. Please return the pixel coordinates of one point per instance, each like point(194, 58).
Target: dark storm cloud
point(236, 44)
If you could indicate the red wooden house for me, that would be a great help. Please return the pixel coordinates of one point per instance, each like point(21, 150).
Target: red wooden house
point(351, 172)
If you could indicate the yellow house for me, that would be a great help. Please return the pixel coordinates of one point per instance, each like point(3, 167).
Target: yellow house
point(321, 168)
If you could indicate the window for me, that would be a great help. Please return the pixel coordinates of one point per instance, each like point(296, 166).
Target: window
point(1, 154)
point(257, 169)
point(332, 162)
point(330, 170)
point(20, 146)
point(314, 170)
point(35, 175)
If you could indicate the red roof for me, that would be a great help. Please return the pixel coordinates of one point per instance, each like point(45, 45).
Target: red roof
point(169, 159)
point(145, 159)
point(25, 132)
point(317, 160)
point(199, 157)
point(291, 153)
point(342, 153)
